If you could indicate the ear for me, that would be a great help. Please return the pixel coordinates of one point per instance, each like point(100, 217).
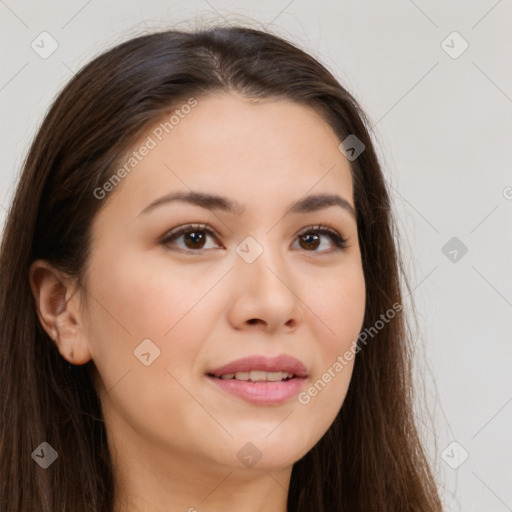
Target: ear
point(59, 312)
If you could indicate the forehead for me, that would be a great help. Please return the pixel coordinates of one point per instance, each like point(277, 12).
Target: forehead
point(258, 152)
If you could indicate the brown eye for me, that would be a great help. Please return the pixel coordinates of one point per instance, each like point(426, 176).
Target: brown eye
point(310, 239)
point(194, 237)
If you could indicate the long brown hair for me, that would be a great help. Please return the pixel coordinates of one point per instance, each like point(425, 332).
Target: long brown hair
point(371, 457)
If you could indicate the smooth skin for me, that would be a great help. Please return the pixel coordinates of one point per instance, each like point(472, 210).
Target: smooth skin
point(173, 433)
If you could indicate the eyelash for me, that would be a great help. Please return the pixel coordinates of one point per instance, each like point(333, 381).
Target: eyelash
point(339, 242)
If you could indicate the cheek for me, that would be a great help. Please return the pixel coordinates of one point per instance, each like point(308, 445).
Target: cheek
point(338, 308)
point(338, 302)
point(136, 301)
point(174, 310)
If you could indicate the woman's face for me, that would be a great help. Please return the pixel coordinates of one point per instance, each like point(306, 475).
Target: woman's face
point(266, 287)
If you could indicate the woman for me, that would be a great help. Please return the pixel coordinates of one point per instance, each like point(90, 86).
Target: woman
point(201, 306)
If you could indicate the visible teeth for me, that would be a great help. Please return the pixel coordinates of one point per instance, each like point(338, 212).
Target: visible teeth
point(258, 376)
point(255, 375)
point(274, 376)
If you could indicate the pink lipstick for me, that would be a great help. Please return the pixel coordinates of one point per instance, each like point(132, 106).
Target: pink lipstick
point(261, 380)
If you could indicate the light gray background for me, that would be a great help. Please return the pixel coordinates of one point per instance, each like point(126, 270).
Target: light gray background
point(443, 126)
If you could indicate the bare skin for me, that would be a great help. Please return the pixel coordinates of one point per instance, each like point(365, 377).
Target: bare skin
point(174, 433)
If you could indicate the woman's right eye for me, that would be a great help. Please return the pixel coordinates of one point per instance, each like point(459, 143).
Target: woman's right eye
point(194, 237)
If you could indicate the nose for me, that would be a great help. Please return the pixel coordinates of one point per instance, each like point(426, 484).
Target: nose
point(265, 295)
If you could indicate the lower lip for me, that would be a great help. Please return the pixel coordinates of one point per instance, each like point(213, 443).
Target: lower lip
point(262, 393)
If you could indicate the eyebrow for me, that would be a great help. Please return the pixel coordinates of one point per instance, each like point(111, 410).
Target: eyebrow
point(307, 204)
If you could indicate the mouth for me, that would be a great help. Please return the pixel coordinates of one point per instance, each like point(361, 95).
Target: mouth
point(261, 380)
point(257, 368)
point(256, 376)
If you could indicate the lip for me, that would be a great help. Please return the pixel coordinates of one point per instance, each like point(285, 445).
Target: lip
point(262, 393)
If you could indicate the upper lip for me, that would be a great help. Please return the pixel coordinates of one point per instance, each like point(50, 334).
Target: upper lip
point(281, 363)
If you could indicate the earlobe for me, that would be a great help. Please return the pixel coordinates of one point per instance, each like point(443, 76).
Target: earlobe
point(57, 307)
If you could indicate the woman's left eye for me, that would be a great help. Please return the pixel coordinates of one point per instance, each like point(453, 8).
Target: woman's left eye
point(194, 238)
point(310, 238)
